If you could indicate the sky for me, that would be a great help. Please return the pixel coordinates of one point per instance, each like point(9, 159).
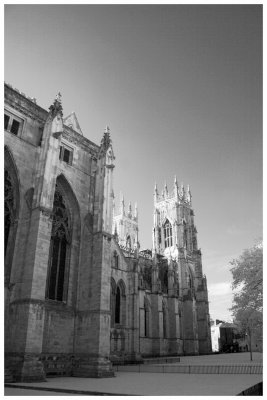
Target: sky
point(180, 87)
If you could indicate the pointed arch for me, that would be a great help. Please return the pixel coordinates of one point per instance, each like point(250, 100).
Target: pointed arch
point(70, 197)
point(12, 209)
point(64, 243)
point(122, 286)
point(118, 303)
point(128, 242)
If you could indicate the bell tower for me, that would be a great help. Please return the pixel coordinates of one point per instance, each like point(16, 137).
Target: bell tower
point(173, 221)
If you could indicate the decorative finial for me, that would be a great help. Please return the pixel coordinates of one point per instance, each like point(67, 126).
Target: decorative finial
point(56, 107)
point(122, 204)
point(116, 233)
point(58, 97)
point(130, 209)
point(135, 211)
point(105, 142)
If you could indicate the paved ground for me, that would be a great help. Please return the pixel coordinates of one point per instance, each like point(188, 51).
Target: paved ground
point(150, 384)
point(30, 392)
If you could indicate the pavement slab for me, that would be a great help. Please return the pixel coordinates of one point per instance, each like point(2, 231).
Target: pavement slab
point(155, 384)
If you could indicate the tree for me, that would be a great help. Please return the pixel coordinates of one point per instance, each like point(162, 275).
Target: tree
point(247, 283)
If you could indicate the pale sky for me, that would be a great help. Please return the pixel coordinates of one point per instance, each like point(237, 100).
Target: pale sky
point(180, 87)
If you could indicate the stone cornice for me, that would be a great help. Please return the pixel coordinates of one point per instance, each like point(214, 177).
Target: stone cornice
point(24, 105)
point(18, 101)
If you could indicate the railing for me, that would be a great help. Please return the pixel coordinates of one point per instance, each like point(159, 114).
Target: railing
point(192, 369)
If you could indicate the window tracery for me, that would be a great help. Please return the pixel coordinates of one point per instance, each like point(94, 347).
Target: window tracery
point(167, 233)
point(60, 241)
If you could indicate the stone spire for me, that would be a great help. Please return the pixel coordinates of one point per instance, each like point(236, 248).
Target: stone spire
point(122, 207)
point(166, 189)
point(130, 210)
point(135, 212)
point(182, 190)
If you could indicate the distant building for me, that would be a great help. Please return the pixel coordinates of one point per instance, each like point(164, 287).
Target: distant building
point(226, 337)
point(79, 293)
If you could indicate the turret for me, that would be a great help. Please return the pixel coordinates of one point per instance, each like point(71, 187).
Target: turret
point(155, 194)
point(188, 195)
point(176, 188)
point(122, 205)
point(136, 212)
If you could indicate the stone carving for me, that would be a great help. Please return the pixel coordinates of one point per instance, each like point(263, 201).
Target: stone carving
point(89, 221)
point(29, 197)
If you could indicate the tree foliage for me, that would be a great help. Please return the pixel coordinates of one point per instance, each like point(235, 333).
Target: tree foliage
point(247, 283)
point(247, 272)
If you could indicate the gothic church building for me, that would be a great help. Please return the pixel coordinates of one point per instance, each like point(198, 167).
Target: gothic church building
point(80, 294)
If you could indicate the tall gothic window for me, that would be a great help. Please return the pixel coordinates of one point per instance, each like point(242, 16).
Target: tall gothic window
point(118, 306)
point(168, 234)
point(112, 302)
point(115, 260)
point(9, 206)
point(59, 247)
point(128, 242)
point(146, 320)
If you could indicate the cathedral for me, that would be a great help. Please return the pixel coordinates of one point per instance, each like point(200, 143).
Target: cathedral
point(80, 293)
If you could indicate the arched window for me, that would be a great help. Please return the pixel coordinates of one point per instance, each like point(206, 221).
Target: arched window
point(189, 281)
point(128, 242)
point(185, 235)
point(164, 320)
point(146, 319)
point(59, 248)
point(167, 233)
point(9, 206)
point(118, 306)
point(112, 302)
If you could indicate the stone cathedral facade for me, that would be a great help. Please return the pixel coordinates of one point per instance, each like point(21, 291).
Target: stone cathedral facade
point(80, 294)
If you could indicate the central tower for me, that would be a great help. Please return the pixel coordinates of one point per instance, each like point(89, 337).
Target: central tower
point(174, 227)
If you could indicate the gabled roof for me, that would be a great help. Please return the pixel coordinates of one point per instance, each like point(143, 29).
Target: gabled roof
point(72, 121)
